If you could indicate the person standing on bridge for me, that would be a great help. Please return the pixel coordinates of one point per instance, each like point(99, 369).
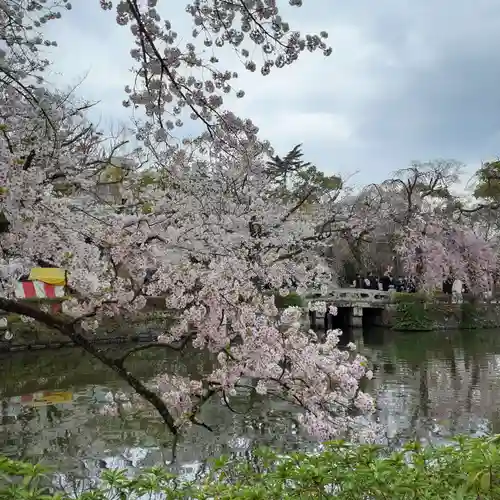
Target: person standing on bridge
point(358, 282)
point(386, 281)
point(457, 291)
point(373, 281)
point(448, 285)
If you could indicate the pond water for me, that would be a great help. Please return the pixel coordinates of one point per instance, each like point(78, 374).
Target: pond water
point(427, 385)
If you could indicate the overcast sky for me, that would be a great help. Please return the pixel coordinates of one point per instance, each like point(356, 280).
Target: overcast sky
point(406, 81)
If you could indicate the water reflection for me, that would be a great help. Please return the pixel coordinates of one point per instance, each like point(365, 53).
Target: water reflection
point(428, 385)
point(68, 427)
point(435, 385)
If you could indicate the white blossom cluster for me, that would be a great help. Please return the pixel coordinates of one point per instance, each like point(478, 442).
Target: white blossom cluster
point(199, 226)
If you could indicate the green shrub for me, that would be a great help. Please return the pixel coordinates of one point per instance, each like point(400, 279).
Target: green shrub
point(291, 300)
point(421, 312)
point(469, 469)
point(424, 312)
point(477, 315)
point(412, 313)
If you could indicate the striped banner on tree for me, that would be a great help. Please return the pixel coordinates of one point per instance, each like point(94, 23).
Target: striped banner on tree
point(38, 290)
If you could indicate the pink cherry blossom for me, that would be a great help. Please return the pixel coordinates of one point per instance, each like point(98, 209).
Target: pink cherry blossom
point(197, 224)
point(434, 248)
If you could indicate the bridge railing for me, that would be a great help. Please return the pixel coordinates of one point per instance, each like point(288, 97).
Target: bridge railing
point(354, 295)
point(377, 299)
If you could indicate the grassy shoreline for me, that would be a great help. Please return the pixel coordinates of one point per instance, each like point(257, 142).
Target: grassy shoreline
point(467, 469)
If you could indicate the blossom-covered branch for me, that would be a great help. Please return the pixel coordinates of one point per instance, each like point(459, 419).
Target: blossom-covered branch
point(198, 225)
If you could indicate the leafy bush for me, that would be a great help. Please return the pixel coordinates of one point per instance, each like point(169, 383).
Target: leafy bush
point(290, 300)
point(424, 312)
point(468, 469)
point(412, 312)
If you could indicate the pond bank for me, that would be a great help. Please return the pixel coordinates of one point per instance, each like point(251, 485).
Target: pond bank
point(417, 313)
point(26, 336)
point(408, 313)
point(6, 346)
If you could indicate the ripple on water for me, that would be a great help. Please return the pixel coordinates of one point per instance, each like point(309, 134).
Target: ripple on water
point(428, 386)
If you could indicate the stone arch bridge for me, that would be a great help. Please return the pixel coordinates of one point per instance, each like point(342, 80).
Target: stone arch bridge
point(356, 306)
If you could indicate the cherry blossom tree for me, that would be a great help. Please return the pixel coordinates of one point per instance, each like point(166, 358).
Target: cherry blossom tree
point(204, 219)
point(433, 248)
point(423, 187)
point(434, 235)
point(364, 231)
point(380, 214)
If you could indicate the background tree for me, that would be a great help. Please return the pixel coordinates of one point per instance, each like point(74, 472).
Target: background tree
point(487, 188)
point(422, 187)
point(435, 247)
point(296, 180)
point(380, 213)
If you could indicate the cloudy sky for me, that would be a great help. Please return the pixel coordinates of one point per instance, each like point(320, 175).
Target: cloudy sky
point(406, 81)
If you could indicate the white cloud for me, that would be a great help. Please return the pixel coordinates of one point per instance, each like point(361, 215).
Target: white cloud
point(295, 127)
point(404, 82)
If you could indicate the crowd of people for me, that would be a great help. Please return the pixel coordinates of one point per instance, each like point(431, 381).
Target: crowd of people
point(386, 282)
point(451, 286)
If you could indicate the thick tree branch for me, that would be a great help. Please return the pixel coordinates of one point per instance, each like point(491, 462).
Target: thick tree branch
point(298, 205)
point(70, 330)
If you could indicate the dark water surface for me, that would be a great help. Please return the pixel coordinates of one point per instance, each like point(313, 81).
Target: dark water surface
point(427, 385)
